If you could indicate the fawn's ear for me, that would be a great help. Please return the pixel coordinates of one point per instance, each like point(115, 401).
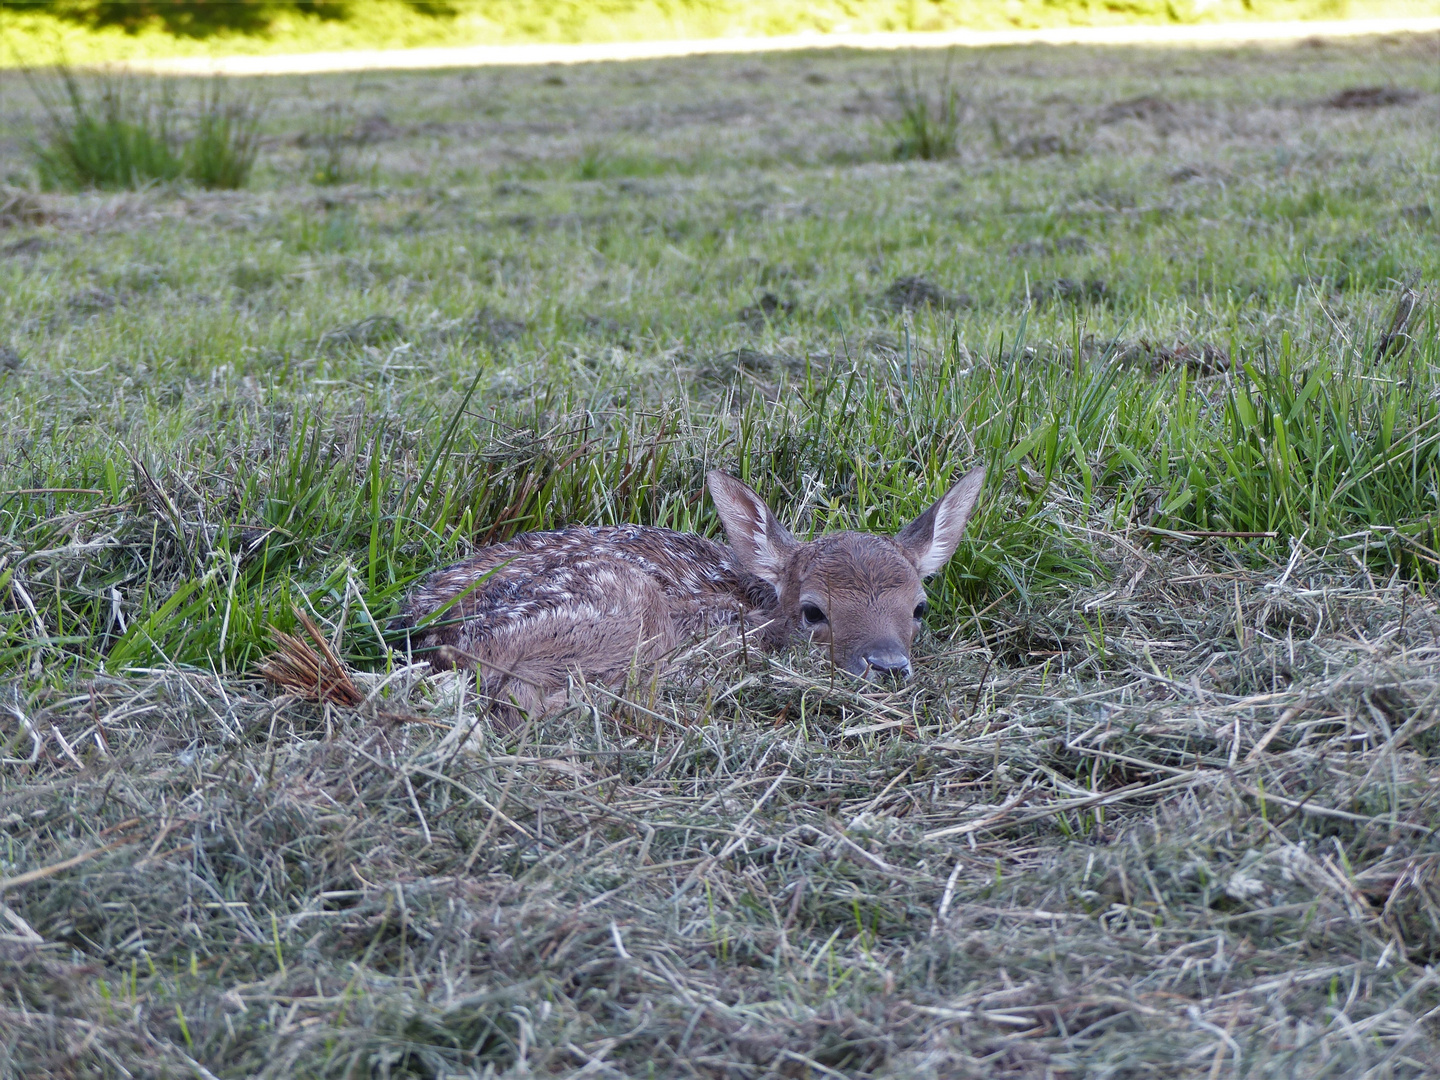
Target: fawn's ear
point(761, 543)
point(933, 536)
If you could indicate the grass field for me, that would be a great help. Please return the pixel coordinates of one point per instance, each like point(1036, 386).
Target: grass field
point(1161, 800)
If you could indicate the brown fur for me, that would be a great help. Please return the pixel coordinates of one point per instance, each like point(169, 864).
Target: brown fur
point(602, 602)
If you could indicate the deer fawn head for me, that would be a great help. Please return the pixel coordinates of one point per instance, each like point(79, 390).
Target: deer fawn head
point(860, 593)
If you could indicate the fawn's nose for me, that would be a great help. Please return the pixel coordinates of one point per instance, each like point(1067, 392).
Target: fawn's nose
point(883, 662)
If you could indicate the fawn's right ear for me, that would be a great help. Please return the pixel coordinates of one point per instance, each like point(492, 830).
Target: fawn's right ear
point(933, 537)
point(761, 543)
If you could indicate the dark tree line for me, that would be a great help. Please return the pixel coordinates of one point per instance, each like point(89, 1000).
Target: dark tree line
point(198, 18)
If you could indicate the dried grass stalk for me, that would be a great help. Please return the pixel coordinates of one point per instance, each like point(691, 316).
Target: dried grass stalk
point(1397, 334)
point(315, 676)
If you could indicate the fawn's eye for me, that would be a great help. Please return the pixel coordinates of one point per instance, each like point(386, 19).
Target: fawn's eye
point(812, 615)
point(921, 609)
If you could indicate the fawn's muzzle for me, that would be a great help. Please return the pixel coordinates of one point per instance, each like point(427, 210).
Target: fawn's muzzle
point(884, 661)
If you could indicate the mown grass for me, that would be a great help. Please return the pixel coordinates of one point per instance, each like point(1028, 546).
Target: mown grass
point(1162, 790)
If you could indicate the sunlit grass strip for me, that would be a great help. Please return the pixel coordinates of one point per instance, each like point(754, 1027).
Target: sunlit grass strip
point(34, 37)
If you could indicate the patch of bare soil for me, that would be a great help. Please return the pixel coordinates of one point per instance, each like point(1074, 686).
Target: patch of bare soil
point(1032, 146)
point(492, 328)
point(1371, 97)
point(91, 299)
point(31, 245)
point(1202, 357)
point(750, 365)
point(1090, 291)
point(1139, 108)
point(767, 309)
point(1047, 245)
point(372, 331)
point(913, 292)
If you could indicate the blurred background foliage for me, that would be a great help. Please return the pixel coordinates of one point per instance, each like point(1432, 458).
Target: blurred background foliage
point(91, 30)
point(201, 18)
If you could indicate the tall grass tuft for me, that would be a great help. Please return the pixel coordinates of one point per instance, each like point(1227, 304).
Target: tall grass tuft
point(929, 125)
point(222, 152)
point(113, 140)
point(333, 161)
point(119, 137)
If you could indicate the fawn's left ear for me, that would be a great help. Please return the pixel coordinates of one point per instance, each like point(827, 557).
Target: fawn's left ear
point(761, 543)
point(933, 536)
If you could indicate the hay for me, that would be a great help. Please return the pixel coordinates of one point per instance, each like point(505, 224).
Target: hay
point(315, 676)
point(19, 207)
point(1210, 840)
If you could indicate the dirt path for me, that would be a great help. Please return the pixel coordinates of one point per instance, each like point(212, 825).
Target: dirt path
point(513, 55)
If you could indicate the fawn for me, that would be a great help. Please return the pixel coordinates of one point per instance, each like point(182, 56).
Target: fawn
point(597, 601)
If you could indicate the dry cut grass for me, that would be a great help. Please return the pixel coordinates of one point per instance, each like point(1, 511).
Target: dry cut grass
point(1184, 823)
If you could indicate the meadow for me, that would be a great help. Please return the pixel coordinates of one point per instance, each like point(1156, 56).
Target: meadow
point(1162, 797)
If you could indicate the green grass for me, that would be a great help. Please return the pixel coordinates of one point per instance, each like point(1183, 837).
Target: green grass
point(107, 141)
point(35, 36)
point(222, 150)
point(1156, 286)
point(107, 133)
point(928, 125)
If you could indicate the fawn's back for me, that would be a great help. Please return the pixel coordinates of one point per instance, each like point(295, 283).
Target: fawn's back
point(529, 613)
